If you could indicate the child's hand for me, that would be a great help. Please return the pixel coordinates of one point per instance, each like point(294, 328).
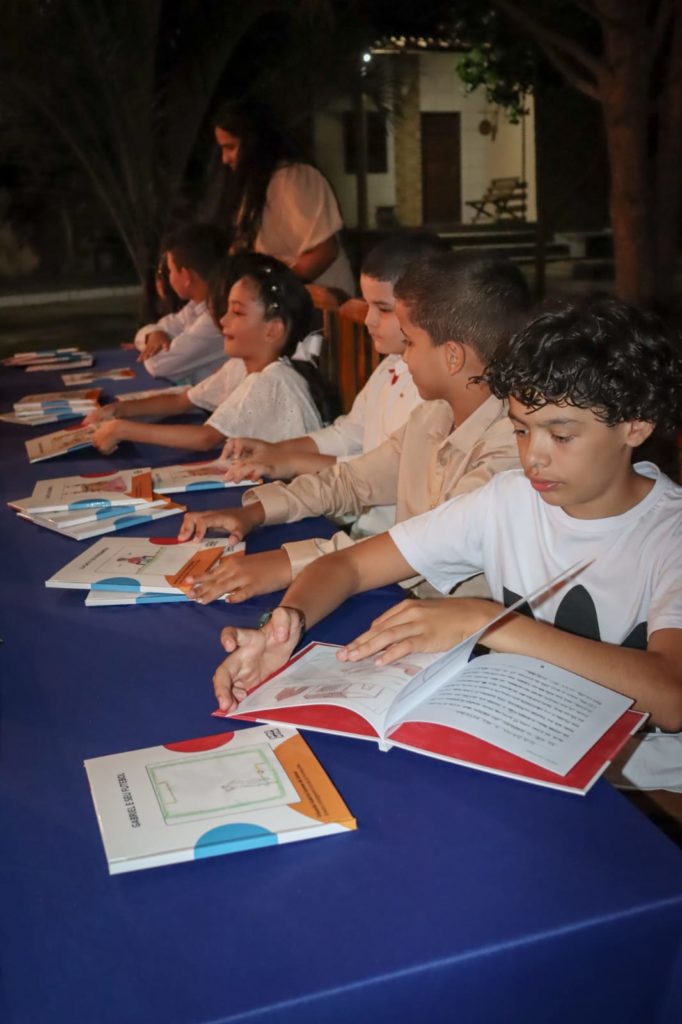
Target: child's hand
point(246, 447)
point(155, 341)
point(247, 469)
point(254, 655)
point(104, 412)
point(427, 625)
point(237, 522)
point(107, 436)
point(240, 577)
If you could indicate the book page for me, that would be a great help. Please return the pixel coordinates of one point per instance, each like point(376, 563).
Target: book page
point(226, 781)
point(530, 708)
point(319, 678)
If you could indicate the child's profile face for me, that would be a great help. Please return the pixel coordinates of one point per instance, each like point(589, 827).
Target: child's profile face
point(381, 321)
point(426, 361)
point(229, 146)
point(178, 278)
point(574, 460)
point(244, 324)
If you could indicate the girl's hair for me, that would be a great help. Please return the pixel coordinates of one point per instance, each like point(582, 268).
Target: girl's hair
point(226, 273)
point(263, 147)
point(285, 298)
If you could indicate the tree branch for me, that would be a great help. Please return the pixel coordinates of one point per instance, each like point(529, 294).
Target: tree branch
point(554, 43)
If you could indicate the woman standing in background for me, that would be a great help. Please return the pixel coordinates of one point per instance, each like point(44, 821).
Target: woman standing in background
point(278, 204)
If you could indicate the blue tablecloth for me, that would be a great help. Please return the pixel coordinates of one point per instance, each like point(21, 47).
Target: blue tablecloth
point(462, 897)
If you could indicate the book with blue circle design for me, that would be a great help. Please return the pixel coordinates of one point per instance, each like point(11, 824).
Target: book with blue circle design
point(224, 793)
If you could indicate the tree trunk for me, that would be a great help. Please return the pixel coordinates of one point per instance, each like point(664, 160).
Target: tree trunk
point(624, 92)
point(668, 167)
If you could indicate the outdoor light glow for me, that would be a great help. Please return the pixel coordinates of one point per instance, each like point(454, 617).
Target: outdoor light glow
point(367, 57)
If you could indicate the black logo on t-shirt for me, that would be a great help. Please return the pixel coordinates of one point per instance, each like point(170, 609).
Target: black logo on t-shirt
point(577, 614)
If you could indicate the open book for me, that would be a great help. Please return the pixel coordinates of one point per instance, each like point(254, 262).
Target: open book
point(507, 714)
point(220, 794)
point(141, 564)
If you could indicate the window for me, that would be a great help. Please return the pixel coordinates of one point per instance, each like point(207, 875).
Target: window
point(377, 158)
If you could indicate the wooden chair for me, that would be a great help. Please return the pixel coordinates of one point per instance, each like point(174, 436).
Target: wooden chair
point(348, 357)
point(356, 357)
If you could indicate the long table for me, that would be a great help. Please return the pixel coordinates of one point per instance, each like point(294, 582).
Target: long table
point(462, 896)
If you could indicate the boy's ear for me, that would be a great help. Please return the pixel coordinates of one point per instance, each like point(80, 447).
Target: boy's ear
point(455, 356)
point(638, 432)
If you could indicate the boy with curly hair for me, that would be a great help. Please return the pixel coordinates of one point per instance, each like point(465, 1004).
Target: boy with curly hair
point(586, 386)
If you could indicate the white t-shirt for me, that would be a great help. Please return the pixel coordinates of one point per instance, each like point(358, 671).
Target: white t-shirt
point(211, 391)
point(274, 405)
point(300, 212)
point(632, 588)
point(382, 406)
point(196, 349)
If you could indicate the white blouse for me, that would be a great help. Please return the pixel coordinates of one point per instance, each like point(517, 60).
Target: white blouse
point(300, 212)
point(273, 405)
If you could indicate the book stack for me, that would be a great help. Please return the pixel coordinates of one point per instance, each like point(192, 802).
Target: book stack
point(53, 406)
point(78, 379)
point(50, 359)
point(82, 507)
point(140, 570)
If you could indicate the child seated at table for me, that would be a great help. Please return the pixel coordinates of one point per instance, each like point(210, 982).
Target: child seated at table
point(205, 396)
point(186, 346)
point(586, 386)
point(381, 406)
point(262, 385)
point(453, 309)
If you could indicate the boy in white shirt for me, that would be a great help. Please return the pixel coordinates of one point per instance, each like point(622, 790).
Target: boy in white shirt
point(187, 346)
point(586, 386)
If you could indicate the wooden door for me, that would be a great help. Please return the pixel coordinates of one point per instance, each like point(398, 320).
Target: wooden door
point(441, 179)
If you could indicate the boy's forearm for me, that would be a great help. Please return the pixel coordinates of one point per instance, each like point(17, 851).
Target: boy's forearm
point(651, 677)
point(172, 435)
point(329, 581)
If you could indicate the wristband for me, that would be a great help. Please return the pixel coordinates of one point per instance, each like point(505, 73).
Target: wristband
point(266, 616)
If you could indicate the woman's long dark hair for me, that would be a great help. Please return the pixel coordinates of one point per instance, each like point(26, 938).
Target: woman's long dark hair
point(263, 147)
point(286, 298)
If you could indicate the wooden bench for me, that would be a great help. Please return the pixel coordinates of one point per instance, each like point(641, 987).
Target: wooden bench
point(504, 198)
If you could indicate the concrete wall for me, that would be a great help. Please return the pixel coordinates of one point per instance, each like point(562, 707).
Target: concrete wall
point(428, 82)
